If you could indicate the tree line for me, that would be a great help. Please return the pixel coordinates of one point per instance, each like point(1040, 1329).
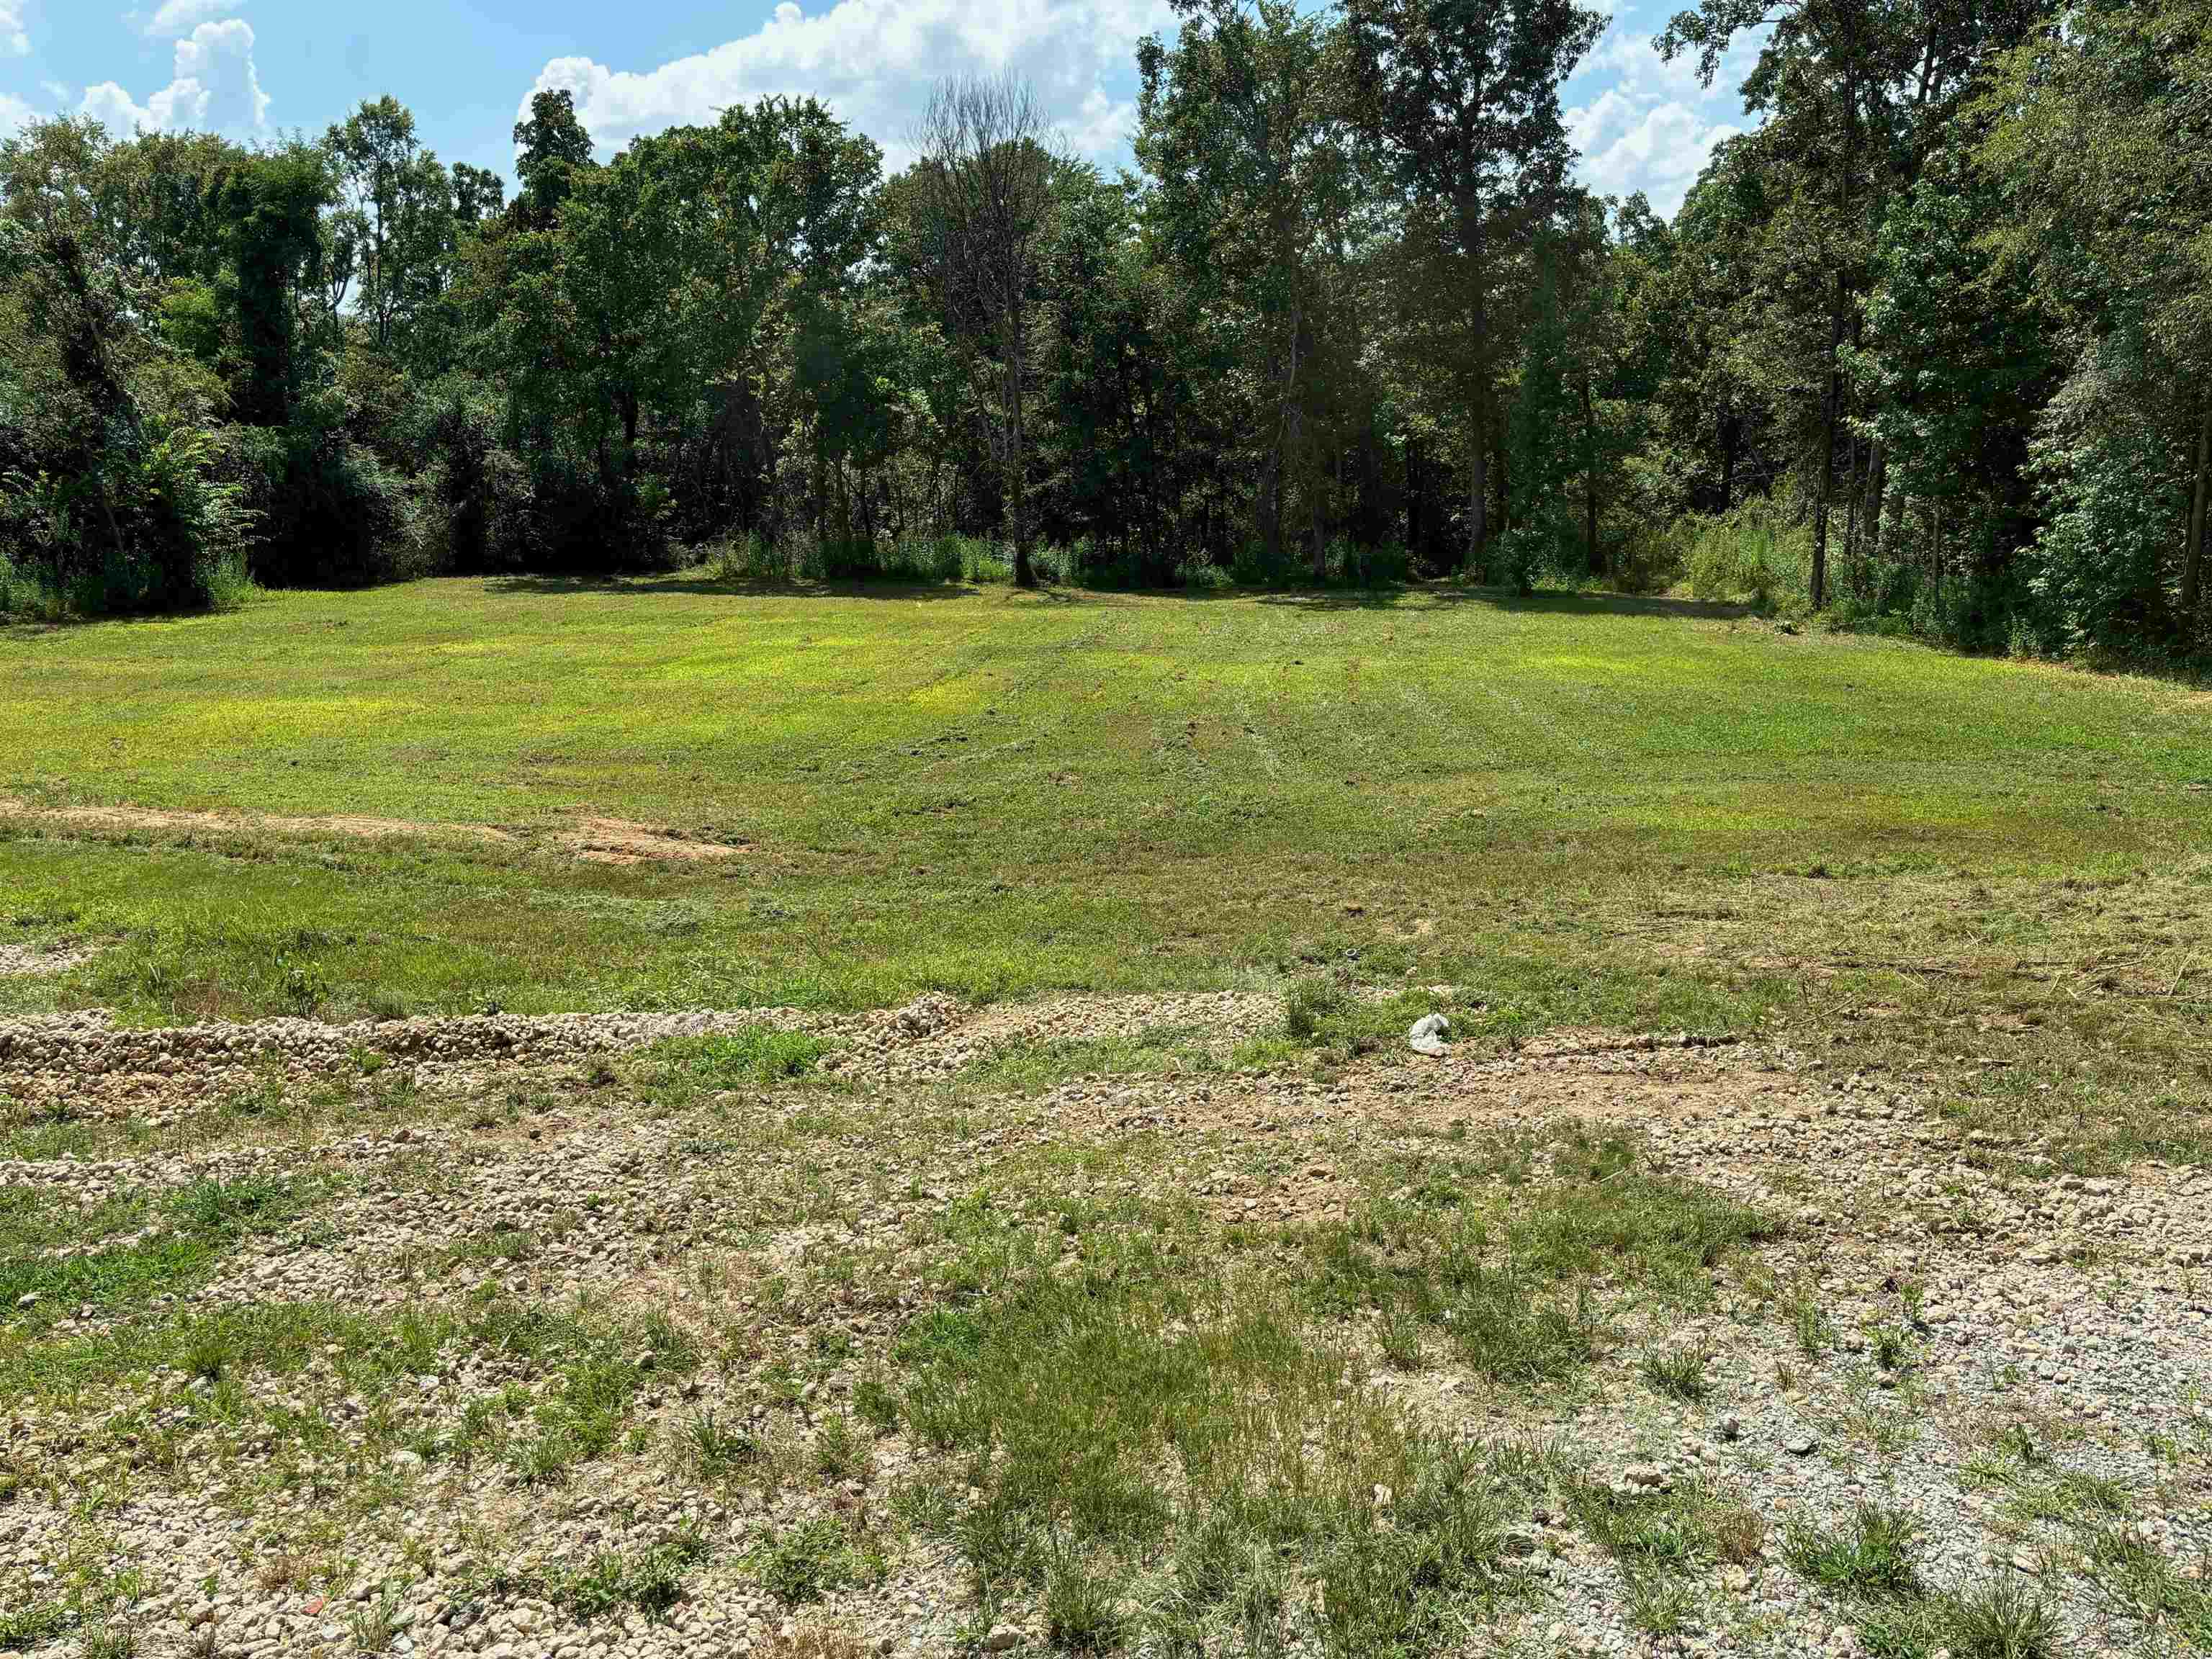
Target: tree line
point(1930, 348)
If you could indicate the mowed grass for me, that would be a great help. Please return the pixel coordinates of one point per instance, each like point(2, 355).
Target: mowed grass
point(1589, 811)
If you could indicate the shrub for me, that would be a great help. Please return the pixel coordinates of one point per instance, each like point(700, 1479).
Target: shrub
point(475, 504)
point(147, 526)
point(1752, 553)
point(330, 514)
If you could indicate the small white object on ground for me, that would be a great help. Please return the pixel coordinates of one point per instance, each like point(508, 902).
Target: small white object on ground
point(1428, 1035)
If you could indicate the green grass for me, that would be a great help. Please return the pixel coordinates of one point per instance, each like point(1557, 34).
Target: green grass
point(1592, 810)
point(752, 1055)
point(805, 1562)
point(1679, 1372)
point(1871, 1556)
point(1165, 1445)
point(649, 1578)
point(1870, 1561)
point(172, 1244)
point(30, 1623)
point(1494, 1258)
point(1032, 1069)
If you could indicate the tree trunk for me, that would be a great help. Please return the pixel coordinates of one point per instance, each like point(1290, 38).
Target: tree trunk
point(1877, 487)
point(1854, 494)
point(1731, 429)
point(1477, 488)
point(1504, 482)
point(1413, 482)
point(1017, 501)
point(1267, 506)
point(2192, 562)
point(1317, 512)
point(1018, 457)
point(1831, 407)
point(1589, 483)
point(1478, 430)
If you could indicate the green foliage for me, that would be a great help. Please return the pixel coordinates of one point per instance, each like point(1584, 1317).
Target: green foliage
point(1935, 369)
point(1871, 1554)
point(1752, 553)
point(33, 1623)
point(1310, 1004)
point(1679, 1372)
point(807, 1561)
point(147, 526)
point(649, 1579)
point(760, 1055)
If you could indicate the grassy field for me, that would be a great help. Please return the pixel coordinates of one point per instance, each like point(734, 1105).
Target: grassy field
point(1592, 811)
point(1162, 1323)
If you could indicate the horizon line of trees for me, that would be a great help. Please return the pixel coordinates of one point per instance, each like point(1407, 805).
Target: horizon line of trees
point(1930, 348)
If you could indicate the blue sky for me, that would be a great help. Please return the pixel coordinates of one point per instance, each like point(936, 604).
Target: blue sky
point(259, 68)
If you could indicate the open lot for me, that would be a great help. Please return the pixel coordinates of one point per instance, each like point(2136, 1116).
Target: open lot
point(659, 1120)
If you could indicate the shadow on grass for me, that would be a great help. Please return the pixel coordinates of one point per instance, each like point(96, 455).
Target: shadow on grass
point(681, 582)
point(1323, 599)
point(1544, 601)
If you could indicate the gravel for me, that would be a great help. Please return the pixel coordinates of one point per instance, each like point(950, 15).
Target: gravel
point(2077, 1310)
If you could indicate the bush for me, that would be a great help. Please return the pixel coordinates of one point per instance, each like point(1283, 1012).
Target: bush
point(148, 527)
point(2096, 574)
point(331, 514)
point(1751, 553)
point(474, 511)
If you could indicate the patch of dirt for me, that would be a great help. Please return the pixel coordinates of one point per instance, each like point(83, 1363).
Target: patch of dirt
point(15, 959)
point(619, 841)
point(352, 824)
point(594, 840)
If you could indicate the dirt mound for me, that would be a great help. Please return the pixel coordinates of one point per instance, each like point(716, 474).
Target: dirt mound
point(619, 841)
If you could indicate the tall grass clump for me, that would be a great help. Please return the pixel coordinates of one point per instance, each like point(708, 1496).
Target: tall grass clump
point(1754, 553)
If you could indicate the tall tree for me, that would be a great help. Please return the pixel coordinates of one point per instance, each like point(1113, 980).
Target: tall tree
point(273, 208)
point(1462, 97)
point(2100, 145)
point(1241, 129)
point(479, 194)
point(553, 149)
point(394, 222)
point(985, 175)
point(1855, 96)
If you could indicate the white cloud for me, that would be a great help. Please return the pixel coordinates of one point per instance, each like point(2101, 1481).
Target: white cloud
point(110, 106)
point(1659, 151)
point(874, 61)
point(15, 39)
point(15, 114)
point(175, 17)
point(1648, 124)
point(215, 88)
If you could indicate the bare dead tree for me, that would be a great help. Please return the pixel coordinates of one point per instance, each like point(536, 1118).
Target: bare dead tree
point(986, 156)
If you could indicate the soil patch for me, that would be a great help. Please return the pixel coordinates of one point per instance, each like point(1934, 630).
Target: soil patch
point(619, 841)
point(595, 839)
